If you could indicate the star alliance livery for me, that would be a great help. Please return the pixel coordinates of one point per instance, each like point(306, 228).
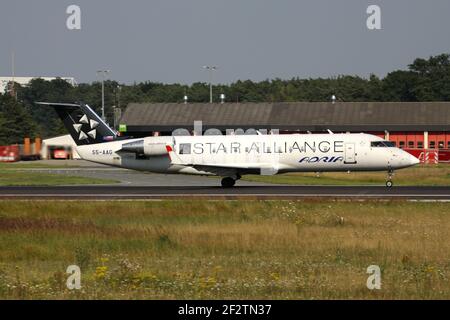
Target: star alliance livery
point(230, 156)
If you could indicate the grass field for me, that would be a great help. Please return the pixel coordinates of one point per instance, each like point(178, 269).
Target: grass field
point(9, 178)
point(224, 249)
point(423, 175)
point(34, 165)
point(19, 174)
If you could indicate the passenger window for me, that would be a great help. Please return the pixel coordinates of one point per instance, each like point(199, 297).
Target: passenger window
point(402, 144)
point(411, 144)
point(448, 144)
point(420, 144)
point(432, 144)
point(441, 144)
point(185, 148)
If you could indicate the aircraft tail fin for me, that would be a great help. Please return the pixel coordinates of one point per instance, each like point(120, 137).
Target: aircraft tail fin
point(83, 124)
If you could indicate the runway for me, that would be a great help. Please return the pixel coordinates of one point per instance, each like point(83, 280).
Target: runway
point(121, 192)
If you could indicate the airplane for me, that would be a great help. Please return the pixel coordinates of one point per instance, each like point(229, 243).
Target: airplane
point(230, 156)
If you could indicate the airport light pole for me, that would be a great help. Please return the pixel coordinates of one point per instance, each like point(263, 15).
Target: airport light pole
point(119, 88)
point(210, 69)
point(103, 74)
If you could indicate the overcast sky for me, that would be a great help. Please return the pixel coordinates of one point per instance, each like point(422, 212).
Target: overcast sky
point(170, 40)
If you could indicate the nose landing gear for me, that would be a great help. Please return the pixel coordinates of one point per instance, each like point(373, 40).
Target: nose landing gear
point(389, 182)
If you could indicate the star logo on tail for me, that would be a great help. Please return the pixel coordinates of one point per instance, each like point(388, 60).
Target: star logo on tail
point(92, 124)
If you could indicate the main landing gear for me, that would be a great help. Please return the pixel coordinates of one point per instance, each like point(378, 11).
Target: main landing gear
point(229, 182)
point(389, 182)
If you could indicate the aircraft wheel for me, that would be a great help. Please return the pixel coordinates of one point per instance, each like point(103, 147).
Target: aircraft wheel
point(228, 182)
point(389, 183)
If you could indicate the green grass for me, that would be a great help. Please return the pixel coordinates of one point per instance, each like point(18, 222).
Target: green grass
point(429, 175)
point(28, 178)
point(34, 165)
point(224, 249)
point(24, 174)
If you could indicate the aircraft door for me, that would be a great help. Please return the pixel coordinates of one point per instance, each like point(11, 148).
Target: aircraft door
point(350, 155)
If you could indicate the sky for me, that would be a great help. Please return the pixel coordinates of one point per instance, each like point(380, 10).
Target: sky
point(170, 40)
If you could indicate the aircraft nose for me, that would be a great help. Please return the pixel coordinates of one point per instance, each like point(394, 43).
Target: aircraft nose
point(413, 160)
point(404, 159)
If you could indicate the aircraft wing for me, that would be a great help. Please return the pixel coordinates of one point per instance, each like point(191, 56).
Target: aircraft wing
point(225, 170)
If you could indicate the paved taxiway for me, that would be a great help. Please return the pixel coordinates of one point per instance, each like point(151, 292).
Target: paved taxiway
point(142, 185)
point(257, 192)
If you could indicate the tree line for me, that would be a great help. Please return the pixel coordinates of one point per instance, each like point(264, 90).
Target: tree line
point(424, 80)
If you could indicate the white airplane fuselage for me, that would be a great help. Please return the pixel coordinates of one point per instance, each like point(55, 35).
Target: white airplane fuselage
point(243, 154)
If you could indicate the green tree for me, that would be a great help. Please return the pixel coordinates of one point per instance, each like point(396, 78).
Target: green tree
point(400, 86)
point(434, 78)
point(15, 121)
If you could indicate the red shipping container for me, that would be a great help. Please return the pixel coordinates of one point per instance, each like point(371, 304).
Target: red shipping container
point(9, 153)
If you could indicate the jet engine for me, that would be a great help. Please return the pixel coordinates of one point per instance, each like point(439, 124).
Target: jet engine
point(141, 147)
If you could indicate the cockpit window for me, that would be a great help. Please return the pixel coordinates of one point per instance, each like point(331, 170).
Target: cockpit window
point(382, 144)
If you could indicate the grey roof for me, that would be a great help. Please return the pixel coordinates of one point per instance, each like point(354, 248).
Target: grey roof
point(314, 116)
